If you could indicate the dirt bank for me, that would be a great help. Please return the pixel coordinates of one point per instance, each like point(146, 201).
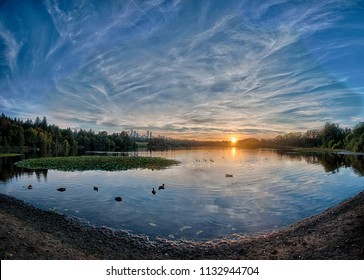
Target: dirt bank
point(29, 233)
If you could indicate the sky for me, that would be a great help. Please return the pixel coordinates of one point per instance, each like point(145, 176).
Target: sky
point(184, 69)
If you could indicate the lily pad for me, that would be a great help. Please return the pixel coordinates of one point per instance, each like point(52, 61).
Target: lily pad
point(82, 163)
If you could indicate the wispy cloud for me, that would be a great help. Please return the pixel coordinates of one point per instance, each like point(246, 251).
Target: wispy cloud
point(201, 69)
point(11, 49)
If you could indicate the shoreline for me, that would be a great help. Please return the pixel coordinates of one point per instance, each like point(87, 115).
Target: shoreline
point(27, 232)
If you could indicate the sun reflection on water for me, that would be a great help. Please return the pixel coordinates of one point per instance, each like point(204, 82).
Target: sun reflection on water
point(233, 151)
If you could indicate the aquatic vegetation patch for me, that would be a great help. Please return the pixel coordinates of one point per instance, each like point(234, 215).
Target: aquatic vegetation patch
point(107, 163)
point(9, 155)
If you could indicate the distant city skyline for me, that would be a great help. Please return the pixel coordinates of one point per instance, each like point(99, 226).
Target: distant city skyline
point(207, 70)
point(135, 134)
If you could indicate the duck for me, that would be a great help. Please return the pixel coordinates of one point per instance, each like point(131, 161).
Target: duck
point(118, 198)
point(229, 175)
point(96, 189)
point(154, 191)
point(161, 187)
point(30, 187)
point(61, 189)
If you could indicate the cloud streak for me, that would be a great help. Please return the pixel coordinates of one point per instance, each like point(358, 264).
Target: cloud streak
point(185, 69)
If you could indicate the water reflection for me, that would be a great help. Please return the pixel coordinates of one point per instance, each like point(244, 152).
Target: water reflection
point(10, 171)
point(233, 151)
point(331, 162)
point(196, 199)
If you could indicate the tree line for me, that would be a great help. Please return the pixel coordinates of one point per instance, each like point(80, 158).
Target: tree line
point(330, 136)
point(39, 135)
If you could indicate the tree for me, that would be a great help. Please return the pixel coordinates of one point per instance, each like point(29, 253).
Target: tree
point(332, 135)
point(17, 136)
point(30, 135)
point(354, 141)
point(44, 124)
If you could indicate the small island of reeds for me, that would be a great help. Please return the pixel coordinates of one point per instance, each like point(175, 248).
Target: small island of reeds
point(107, 163)
point(9, 155)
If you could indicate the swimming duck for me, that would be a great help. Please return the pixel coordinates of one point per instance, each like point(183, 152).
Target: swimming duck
point(161, 187)
point(118, 198)
point(61, 189)
point(154, 191)
point(96, 189)
point(229, 175)
point(30, 187)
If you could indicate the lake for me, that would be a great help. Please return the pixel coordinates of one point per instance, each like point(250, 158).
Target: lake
point(266, 190)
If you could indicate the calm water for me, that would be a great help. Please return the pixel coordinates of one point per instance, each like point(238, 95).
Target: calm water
point(267, 190)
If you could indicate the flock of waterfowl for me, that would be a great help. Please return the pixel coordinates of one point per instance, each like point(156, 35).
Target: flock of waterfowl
point(205, 160)
point(118, 198)
point(154, 192)
point(212, 160)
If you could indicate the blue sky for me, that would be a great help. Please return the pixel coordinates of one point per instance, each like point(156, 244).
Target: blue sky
point(185, 69)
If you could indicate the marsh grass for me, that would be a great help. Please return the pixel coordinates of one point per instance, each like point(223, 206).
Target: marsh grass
point(9, 155)
point(107, 163)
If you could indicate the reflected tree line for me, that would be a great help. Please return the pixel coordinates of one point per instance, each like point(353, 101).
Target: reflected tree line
point(9, 170)
point(332, 162)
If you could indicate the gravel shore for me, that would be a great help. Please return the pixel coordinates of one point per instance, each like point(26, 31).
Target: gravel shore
point(30, 233)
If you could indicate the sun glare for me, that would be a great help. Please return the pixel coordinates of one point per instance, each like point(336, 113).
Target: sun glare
point(233, 140)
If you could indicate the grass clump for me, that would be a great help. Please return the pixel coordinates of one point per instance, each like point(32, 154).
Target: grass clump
point(9, 155)
point(107, 163)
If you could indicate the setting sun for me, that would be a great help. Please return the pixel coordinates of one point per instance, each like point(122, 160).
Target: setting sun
point(233, 140)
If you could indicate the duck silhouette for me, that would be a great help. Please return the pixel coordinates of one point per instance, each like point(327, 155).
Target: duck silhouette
point(30, 187)
point(161, 187)
point(154, 191)
point(118, 198)
point(96, 189)
point(61, 189)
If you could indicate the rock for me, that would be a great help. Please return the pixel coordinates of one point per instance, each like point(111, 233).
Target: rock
point(184, 228)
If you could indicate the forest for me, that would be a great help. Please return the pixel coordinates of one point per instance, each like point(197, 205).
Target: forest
point(39, 135)
point(330, 136)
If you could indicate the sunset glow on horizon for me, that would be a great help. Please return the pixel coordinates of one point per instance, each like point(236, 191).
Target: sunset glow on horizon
point(200, 70)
